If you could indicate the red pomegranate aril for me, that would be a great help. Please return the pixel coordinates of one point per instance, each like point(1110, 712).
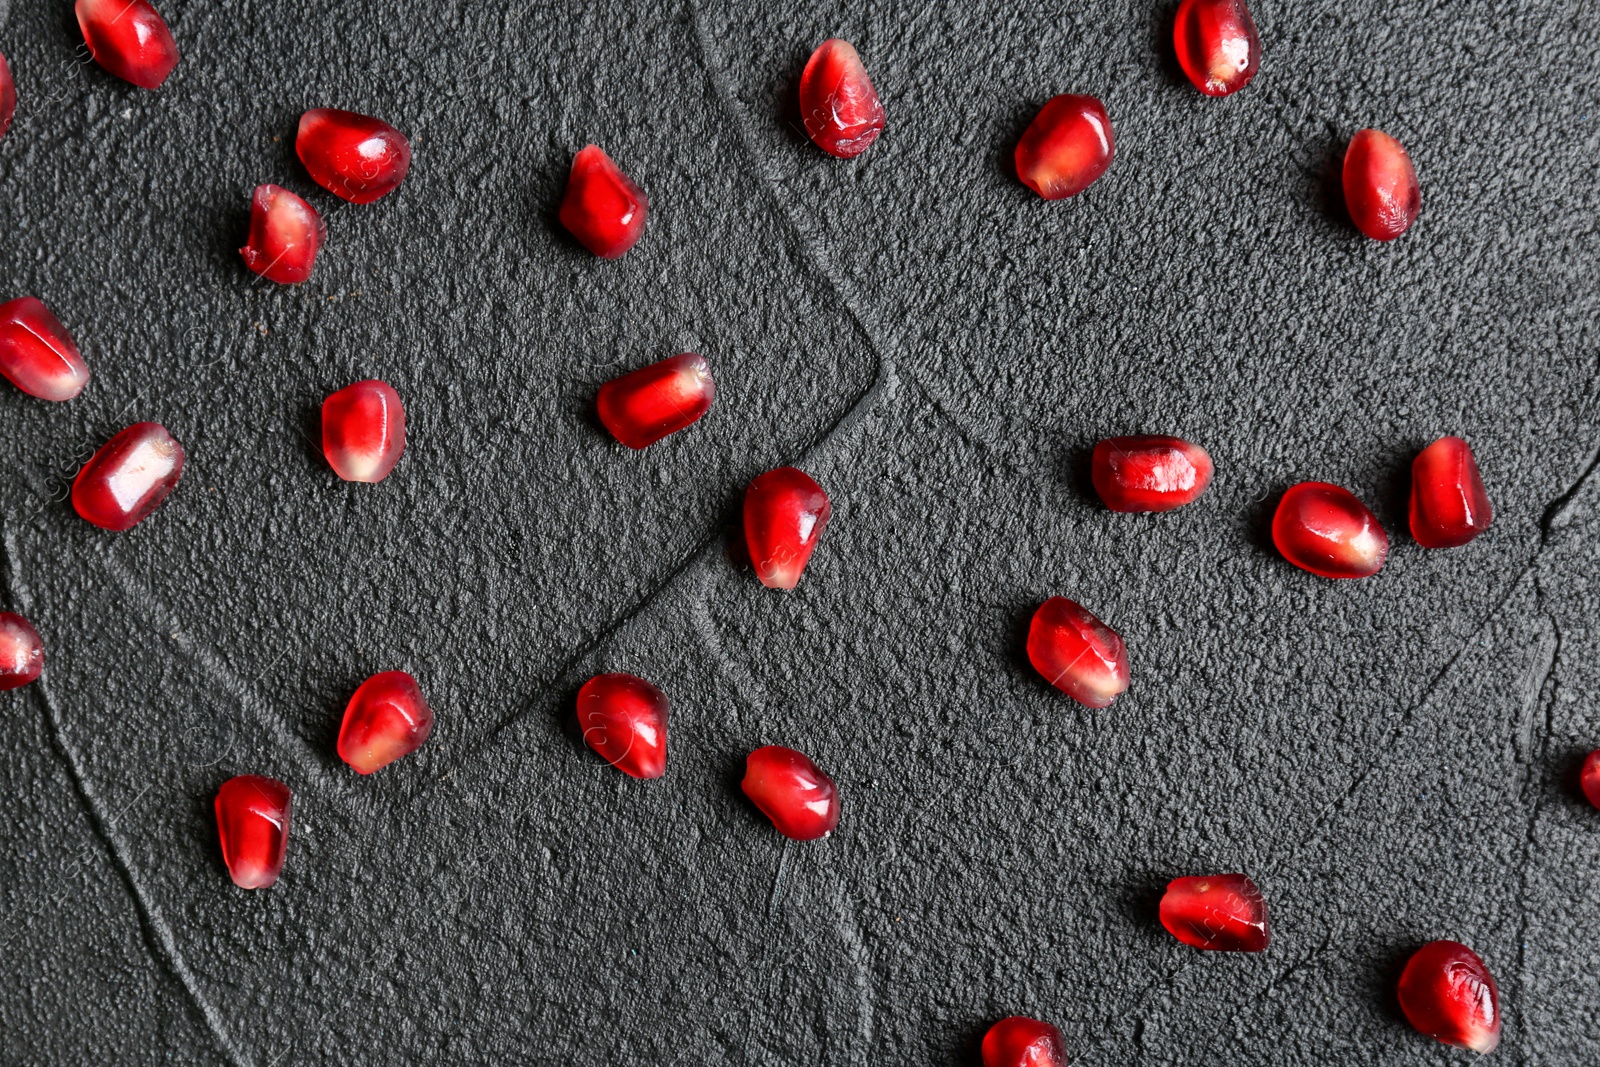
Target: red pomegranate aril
point(129, 39)
point(624, 719)
point(643, 407)
point(1023, 1042)
point(799, 798)
point(1077, 653)
point(1448, 994)
point(285, 234)
point(1216, 912)
point(253, 825)
point(603, 208)
point(1217, 45)
point(1589, 777)
point(386, 718)
point(1067, 146)
point(1324, 529)
point(8, 96)
point(785, 512)
point(1449, 505)
point(21, 651)
point(840, 107)
point(363, 431)
point(1380, 186)
point(1149, 473)
point(355, 157)
point(36, 352)
point(129, 477)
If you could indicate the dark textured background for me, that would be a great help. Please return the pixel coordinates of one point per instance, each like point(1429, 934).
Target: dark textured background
point(1392, 759)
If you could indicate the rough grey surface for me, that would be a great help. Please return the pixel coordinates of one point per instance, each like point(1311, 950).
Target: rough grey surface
point(1392, 759)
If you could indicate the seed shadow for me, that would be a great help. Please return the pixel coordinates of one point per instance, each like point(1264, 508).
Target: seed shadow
point(1140, 903)
point(1258, 521)
point(335, 698)
point(1392, 959)
point(1392, 494)
point(1078, 474)
point(1021, 616)
point(1161, 36)
point(1327, 187)
point(968, 1045)
point(308, 428)
point(1569, 779)
point(786, 102)
point(1003, 161)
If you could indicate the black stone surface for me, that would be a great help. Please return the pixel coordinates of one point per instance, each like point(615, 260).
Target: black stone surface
point(1392, 759)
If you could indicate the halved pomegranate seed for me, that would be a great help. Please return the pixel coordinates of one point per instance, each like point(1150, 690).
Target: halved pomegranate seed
point(1217, 912)
point(1589, 777)
point(840, 107)
point(364, 431)
point(1077, 653)
point(8, 96)
point(285, 234)
point(1448, 994)
point(1449, 505)
point(1149, 473)
point(624, 718)
point(1023, 1042)
point(253, 825)
point(129, 39)
point(643, 407)
point(785, 512)
point(603, 208)
point(1217, 45)
point(21, 651)
point(1324, 529)
point(355, 157)
point(129, 477)
point(37, 353)
point(799, 798)
point(1380, 186)
point(1068, 145)
point(386, 718)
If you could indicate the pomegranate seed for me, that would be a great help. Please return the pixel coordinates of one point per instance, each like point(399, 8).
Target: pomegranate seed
point(1218, 912)
point(1217, 45)
point(1324, 529)
point(253, 824)
point(37, 353)
point(1149, 473)
point(355, 157)
point(625, 720)
point(364, 431)
point(1077, 653)
point(129, 477)
point(799, 798)
point(1067, 146)
point(285, 234)
point(840, 107)
point(1023, 1042)
point(21, 651)
point(1589, 777)
point(1448, 994)
point(8, 96)
point(603, 208)
point(643, 407)
point(129, 39)
point(785, 512)
point(1380, 186)
point(1449, 505)
point(386, 718)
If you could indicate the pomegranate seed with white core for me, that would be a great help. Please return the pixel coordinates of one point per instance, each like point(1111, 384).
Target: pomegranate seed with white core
point(796, 794)
point(603, 208)
point(838, 104)
point(129, 477)
point(363, 431)
point(1023, 1042)
point(8, 96)
point(624, 719)
point(355, 157)
point(1217, 45)
point(253, 826)
point(1448, 994)
point(129, 39)
point(643, 407)
point(1149, 473)
point(285, 234)
point(21, 651)
point(785, 513)
point(1449, 505)
point(1380, 186)
point(386, 718)
point(37, 354)
point(1068, 145)
point(1077, 653)
point(1217, 912)
point(1589, 777)
point(1324, 529)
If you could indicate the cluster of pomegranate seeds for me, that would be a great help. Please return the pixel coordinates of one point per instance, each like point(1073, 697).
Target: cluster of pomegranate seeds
point(1449, 505)
point(838, 104)
point(386, 718)
point(129, 477)
point(8, 95)
point(1589, 777)
point(1448, 994)
point(1067, 146)
point(1149, 473)
point(796, 794)
point(643, 407)
point(285, 234)
point(363, 431)
point(1216, 912)
point(624, 719)
point(1023, 1042)
point(785, 512)
point(1217, 45)
point(21, 651)
point(355, 157)
point(130, 39)
point(1380, 186)
point(253, 826)
point(1077, 653)
point(37, 354)
point(603, 208)
point(1324, 529)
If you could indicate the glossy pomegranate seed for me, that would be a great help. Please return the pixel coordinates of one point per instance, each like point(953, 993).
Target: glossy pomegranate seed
point(625, 720)
point(21, 651)
point(1149, 473)
point(1324, 529)
point(1077, 653)
point(1589, 777)
point(1217, 45)
point(603, 208)
point(643, 407)
point(1068, 145)
point(1023, 1042)
point(129, 477)
point(840, 107)
point(363, 431)
point(285, 234)
point(1218, 912)
point(799, 798)
point(129, 39)
point(8, 96)
point(1380, 186)
point(253, 824)
point(355, 157)
point(1449, 505)
point(386, 718)
point(1448, 994)
point(785, 512)
point(37, 353)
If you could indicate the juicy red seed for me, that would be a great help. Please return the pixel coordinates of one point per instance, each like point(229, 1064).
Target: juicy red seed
point(1217, 45)
point(21, 651)
point(1077, 653)
point(840, 107)
point(386, 718)
point(799, 798)
point(1449, 505)
point(624, 718)
point(37, 353)
point(253, 825)
point(1448, 994)
point(8, 96)
point(129, 477)
point(1324, 529)
point(285, 234)
point(355, 157)
point(1380, 186)
point(1067, 146)
point(1149, 473)
point(1218, 912)
point(1589, 777)
point(643, 407)
point(603, 208)
point(785, 512)
point(1023, 1042)
point(129, 39)
point(363, 431)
